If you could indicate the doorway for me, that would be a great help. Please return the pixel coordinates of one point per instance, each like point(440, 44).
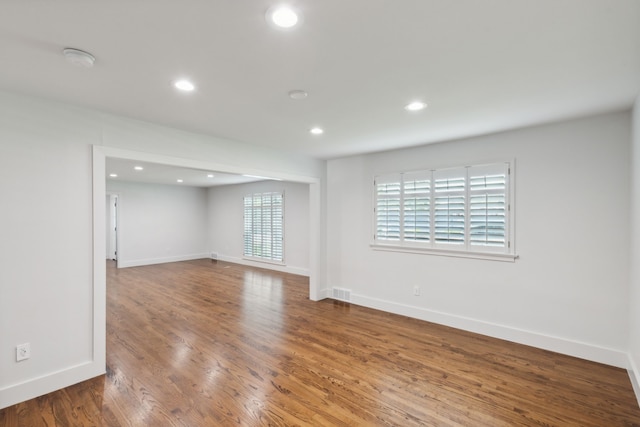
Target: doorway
point(317, 277)
point(111, 215)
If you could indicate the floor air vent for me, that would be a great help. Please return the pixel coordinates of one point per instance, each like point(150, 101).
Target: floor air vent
point(341, 294)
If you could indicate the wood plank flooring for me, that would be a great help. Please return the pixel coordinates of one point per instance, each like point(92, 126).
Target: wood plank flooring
point(203, 343)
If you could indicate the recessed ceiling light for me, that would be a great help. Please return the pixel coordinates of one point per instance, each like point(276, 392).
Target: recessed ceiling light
point(138, 168)
point(79, 57)
point(415, 106)
point(113, 175)
point(316, 131)
point(210, 175)
point(298, 94)
point(184, 85)
point(283, 16)
point(179, 180)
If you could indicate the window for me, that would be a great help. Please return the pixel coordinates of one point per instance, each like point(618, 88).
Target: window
point(263, 226)
point(465, 209)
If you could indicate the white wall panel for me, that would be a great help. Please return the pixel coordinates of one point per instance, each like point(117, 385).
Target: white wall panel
point(46, 247)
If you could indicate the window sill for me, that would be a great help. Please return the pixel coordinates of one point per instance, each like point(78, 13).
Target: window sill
point(266, 261)
point(443, 252)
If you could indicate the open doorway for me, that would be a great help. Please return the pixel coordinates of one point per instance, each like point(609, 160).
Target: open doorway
point(101, 153)
point(111, 215)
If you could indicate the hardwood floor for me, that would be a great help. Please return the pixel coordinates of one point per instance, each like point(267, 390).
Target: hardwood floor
point(204, 343)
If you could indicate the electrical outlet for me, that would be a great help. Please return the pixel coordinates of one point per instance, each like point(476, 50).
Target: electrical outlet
point(23, 352)
point(416, 291)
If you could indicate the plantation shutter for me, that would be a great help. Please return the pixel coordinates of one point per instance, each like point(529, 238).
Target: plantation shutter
point(449, 206)
point(488, 205)
point(248, 226)
point(464, 209)
point(277, 229)
point(387, 210)
point(263, 226)
point(417, 206)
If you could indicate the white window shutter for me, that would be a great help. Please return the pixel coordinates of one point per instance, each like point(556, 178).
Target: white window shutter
point(387, 211)
point(488, 190)
point(449, 206)
point(417, 206)
point(263, 226)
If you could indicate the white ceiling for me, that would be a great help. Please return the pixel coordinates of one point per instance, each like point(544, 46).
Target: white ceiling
point(481, 65)
point(154, 173)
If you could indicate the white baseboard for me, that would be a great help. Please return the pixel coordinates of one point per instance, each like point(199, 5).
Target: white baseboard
point(151, 261)
point(270, 266)
point(634, 376)
point(324, 293)
point(35, 387)
point(568, 347)
point(277, 267)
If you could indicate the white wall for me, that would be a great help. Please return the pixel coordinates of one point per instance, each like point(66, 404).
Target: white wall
point(46, 246)
point(634, 297)
point(567, 292)
point(226, 223)
point(48, 294)
point(129, 134)
point(160, 223)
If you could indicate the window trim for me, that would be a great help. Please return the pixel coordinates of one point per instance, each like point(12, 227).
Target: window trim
point(404, 248)
point(467, 250)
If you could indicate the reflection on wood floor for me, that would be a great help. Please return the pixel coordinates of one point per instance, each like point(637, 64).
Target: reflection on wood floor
point(203, 343)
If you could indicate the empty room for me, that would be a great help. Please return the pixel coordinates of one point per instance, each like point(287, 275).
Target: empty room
point(320, 213)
